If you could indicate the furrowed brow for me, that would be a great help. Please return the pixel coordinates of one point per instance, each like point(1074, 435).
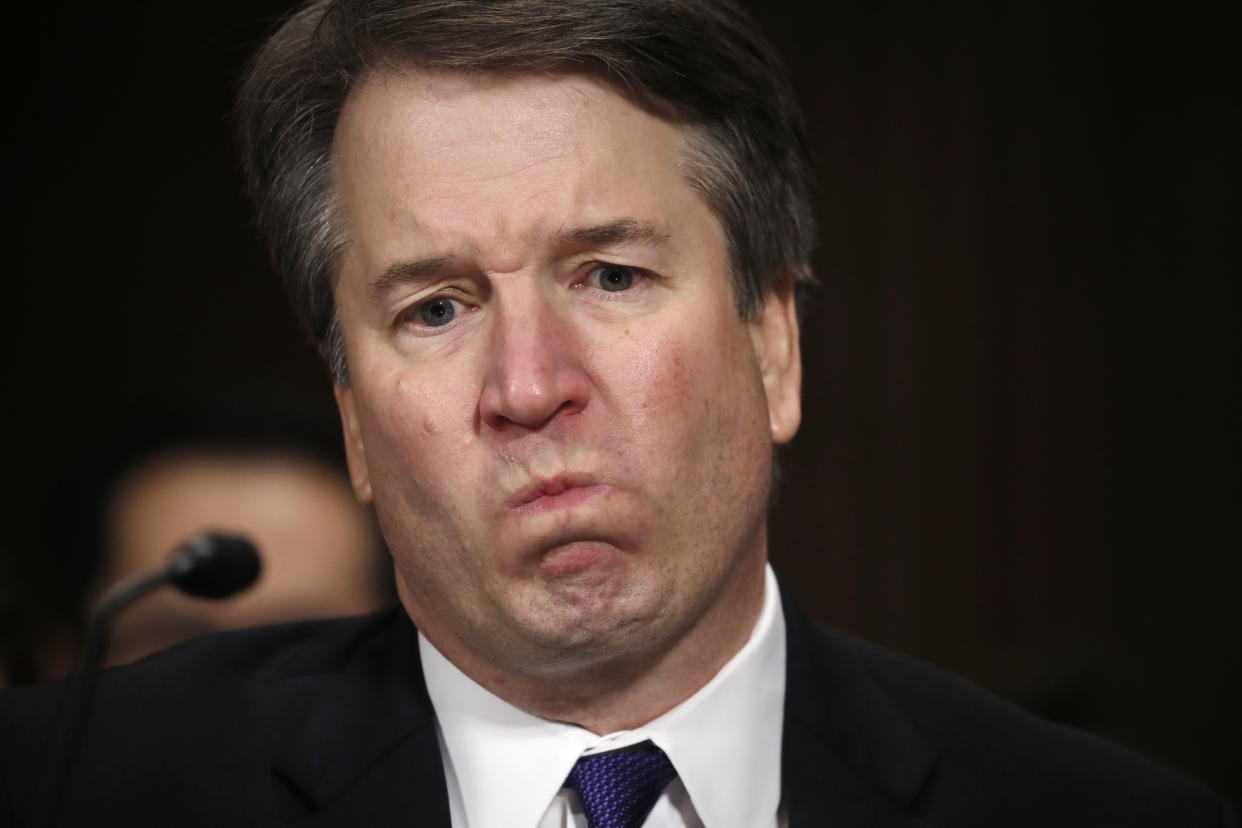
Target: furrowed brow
point(615, 232)
point(409, 273)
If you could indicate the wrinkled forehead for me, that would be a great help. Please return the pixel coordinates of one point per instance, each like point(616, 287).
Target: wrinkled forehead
point(431, 93)
point(598, 72)
point(418, 148)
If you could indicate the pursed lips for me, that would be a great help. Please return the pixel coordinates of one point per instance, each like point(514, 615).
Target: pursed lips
point(561, 492)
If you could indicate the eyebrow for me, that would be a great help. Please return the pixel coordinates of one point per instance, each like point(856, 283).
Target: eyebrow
point(620, 231)
point(409, 273)
point(615, 232)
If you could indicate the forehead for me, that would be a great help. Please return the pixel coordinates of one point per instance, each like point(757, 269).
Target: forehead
point(449, 109)
point(504, 157)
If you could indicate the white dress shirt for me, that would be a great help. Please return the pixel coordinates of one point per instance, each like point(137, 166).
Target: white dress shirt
point(505, 768)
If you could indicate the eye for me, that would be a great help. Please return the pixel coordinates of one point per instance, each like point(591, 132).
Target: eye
point(615, 278)
point(435, 312)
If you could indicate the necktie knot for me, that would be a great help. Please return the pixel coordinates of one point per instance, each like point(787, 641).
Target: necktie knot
point(618, 788)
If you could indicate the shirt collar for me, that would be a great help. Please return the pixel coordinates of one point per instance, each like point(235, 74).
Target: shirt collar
point(724, 741)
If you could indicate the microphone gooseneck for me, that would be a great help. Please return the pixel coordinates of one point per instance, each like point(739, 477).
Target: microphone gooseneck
point(208, 565)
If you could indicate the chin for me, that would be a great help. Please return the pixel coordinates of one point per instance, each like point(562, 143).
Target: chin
point(587, 626)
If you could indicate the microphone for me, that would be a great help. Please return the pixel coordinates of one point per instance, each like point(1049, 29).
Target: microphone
point(208, 565)
point(214, 565)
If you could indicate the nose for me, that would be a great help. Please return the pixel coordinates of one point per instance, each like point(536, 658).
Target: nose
point(535, 370)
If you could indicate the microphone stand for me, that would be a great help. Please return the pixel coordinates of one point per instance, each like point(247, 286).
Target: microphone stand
point(117, 598)
point(198, 568)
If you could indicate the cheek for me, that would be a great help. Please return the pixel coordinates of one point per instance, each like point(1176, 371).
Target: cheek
point(693, 395)
point(417, 453)
point(417, 430)
point(423, 410)
point(650, 380)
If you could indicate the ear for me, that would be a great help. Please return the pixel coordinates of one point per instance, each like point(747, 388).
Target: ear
point(774, 334)
point(355, 452)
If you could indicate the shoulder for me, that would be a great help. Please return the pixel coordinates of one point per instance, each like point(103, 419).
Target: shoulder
point(994, 761)
point(285, 650)
point(248, 656)
point(212, 711)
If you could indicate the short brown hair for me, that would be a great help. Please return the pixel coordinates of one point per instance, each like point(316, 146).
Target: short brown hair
point(703, 60)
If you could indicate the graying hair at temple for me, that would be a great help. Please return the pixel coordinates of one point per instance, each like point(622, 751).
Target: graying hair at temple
point(701, 63)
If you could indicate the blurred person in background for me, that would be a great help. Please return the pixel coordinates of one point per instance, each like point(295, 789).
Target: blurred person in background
point(275, 479)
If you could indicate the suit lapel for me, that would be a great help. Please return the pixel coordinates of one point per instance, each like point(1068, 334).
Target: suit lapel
point(353, 741)
point(850, 758)
point(353, 738)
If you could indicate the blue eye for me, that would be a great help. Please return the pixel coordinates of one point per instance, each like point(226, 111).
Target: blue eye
point(615, 278)
point(436, 312)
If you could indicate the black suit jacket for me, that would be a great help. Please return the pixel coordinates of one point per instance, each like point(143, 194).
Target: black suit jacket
point(329, 724)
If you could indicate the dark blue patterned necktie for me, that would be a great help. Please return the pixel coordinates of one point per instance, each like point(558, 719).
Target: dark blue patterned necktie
point(619, 788)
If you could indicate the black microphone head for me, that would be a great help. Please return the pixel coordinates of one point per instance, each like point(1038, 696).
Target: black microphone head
point(214, 565)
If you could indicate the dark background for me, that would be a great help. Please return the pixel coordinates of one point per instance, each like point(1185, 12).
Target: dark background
point(1019, 457)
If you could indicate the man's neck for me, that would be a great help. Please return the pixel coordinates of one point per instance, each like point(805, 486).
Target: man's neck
point(628, 691)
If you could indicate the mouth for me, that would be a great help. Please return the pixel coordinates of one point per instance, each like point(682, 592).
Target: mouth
point(554, 494)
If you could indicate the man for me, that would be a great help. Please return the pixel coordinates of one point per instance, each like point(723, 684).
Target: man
point(550, 251)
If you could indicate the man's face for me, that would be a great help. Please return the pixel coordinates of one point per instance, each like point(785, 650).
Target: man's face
point(564, 425)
